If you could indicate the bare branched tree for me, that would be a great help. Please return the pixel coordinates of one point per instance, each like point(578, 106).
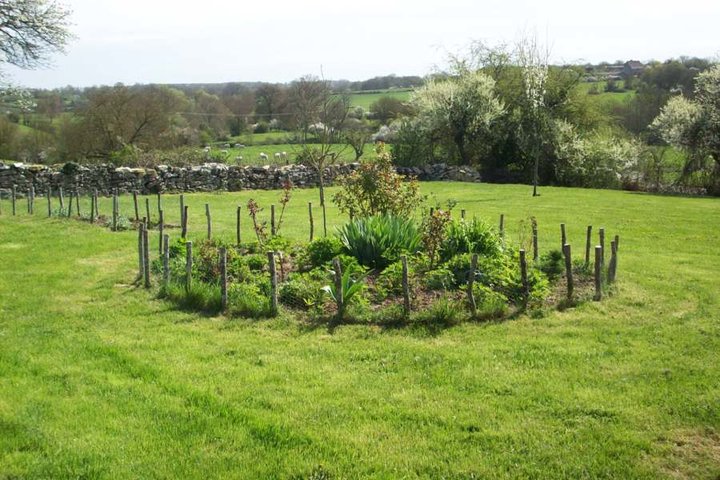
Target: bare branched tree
point(31, 30)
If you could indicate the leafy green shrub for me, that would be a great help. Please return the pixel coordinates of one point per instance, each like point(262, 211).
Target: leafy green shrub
point(247, 300)
point(202, 296)
point(378, 241)
point(444, 312)
point(390, 280)
point(256, 261)
point(440, 278)
point(375, 188)
point(473, 236)
point(512, 286)
point(552, 264)
point(322, 250)
point(303, 290)
point(352, 286)
point(490, 304)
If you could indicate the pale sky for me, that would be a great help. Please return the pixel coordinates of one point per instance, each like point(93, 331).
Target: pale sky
point(160, 41)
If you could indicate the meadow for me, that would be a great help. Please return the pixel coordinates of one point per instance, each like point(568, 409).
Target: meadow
point(101, 379)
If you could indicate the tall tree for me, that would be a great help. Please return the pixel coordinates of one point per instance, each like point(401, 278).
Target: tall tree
point(31, 30)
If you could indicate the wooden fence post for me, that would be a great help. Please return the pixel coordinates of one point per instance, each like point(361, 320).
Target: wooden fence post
point(77, 202)
point(588, 244)
point(405, 286)
point(312, 225)
point(223, 278)
point(62, 200)
point(159, 202)
point(502, 229)
point(617, 242)
point(471, 282)
point(166, 260)
point(237, 226)
point(598, 273)
point(147, 210)
point(49, 201)
point(13, 197)
point(182, 209)
point(273, 284)
point(70, 204)
point(339, 293)
point(533, 221)
point(31, 199)
point(114, 212)
point(563, 236)
point(141, 255)
point(92, 207)
point(524, 277)
point(602, 246)
point(188, 266)
point(161, 230)
point(146, 256)
point(135, 204)
point(462, 214)
point(612, 266)
point(95, 202)
point(209, 221)
point(568, 271)
point(272, 220)
point(185, 222)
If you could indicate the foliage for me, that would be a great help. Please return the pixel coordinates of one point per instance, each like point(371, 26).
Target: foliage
point(259, 227)
point(247, 300)
point(351, 284)
point(490, 303)
point(434, 227)
point(441, 278)
point(376, 189)
point(469, 236)
point(390, 280)
point(379, 240)
point(303, 290)
point(442, 313)
point(461, 111)
point(322, 250)
point(204, 297)
point(552, 264)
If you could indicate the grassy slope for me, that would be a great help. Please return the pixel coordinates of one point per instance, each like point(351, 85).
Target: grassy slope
point(251, 153)
point(98, 379)
point(359, 99)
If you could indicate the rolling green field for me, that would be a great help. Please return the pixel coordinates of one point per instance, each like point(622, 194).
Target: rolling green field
point(99, 379)
point(251, 153)
point(364, 100)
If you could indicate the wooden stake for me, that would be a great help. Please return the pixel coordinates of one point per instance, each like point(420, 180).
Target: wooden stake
point(141, 255)
point(114, 212)
point(535, 239)
point(166, 260)
point(568, 271)
point(471, 282)
point(223, 278)
point(502, 229)
point(237, 226)
point(462, 214)
point(70, 204)
point(563, 237)
point(617, 242)
point(272, 220)
point(188, 266)
point(49, 201)
point(161, 230)
point(147, 210)
point(92, 207)
point(588, 244)
point(77, 202)
point(405, 286)
point(62, 200)
point(95, 200)
point(146, 256)
point(182, 210)
point(598, 273)
point(31, 200)
point(612, 266)
point(312, 225)
point(339, 293)
point(13, 197)
point(524, 277)
point(159, 202)
point(184, 217)
point(135, 204)
point(273, 284)
point(602, 246)
point(209, 221)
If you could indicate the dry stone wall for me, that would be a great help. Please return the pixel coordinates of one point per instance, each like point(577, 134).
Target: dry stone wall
point(201, 178)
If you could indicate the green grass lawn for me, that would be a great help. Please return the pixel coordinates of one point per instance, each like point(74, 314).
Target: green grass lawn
point(364, 100)
point(251, 153)
point(99, 379)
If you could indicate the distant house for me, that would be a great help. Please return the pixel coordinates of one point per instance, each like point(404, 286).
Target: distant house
point(632, 68)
